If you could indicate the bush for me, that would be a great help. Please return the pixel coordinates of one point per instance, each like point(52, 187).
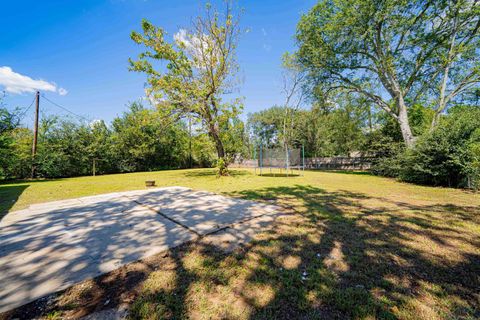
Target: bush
point(473, 173)
point(386, 150)
point(448, 156)
point(222, 166)
point(433, 161)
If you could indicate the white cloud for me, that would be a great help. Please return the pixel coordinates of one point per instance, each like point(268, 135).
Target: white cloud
point(264, 32)
point(95, 123)
point(62, 91)
point(191, 43)
point(196, 46)
point(181, 37)
point(17, 83)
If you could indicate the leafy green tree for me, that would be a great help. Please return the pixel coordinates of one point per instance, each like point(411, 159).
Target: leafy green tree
point(396, 53)
point(203, 150)
point(8, 123)
point(145, 140)
point(8, 120)
point(100, 147)
point(234, 137)
point(265, 126)
point(200, 69)
point(19, 160)
point(314, 132)
point(62, 148)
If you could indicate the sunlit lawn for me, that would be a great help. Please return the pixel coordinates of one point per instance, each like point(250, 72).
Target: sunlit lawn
point(356, 246)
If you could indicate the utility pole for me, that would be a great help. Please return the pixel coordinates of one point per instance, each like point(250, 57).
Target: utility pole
point(35, 132)
point(190, 140)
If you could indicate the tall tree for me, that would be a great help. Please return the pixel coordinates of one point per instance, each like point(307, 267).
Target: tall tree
point(201, 68)
point(394, 52)
point(266, 127)
point(292, 81)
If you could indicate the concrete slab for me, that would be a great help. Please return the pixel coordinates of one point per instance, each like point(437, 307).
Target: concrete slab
point(48, 252)
point(201, 211)
point(52, 246)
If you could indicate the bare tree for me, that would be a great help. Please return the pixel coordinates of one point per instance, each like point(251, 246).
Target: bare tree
point(292, 80)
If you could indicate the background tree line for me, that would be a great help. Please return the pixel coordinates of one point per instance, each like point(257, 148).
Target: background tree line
point(325, 129)
point(396, 80)
point(141, 139)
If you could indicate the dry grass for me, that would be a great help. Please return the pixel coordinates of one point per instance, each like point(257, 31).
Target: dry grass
point(357, 247)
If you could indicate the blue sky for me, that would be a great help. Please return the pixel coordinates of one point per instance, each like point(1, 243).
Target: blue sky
point(83, 47)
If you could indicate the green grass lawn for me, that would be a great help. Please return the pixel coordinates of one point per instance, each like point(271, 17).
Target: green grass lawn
point(357, 246)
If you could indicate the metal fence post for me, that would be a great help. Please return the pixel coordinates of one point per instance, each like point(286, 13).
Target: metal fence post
point(303, 159)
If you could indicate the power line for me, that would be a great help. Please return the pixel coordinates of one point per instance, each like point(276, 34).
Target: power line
point(35, 133)
point(63, 108)
point(21, 115)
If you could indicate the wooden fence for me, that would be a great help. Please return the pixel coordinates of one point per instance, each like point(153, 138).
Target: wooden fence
point(322, 163)
point(339, 163)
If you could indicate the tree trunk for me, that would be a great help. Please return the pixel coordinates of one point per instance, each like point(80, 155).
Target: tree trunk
point(222, 164)
point(218, 142)
point(219, 147)
point(285, 127)
point(402, 119)
point(436, 118)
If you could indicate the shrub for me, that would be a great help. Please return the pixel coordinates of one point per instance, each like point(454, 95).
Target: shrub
point(222, 166)
point(387, 151)
point(448, 156)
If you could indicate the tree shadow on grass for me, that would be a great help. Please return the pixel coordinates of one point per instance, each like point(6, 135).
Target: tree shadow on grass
point(342, 256)
point(10, 192)
point(380, 261)
point(279, 175)
point(213, 173)
point(9, 195)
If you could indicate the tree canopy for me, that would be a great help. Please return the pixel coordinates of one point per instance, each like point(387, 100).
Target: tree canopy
point(200, 68)
point(396, 53)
